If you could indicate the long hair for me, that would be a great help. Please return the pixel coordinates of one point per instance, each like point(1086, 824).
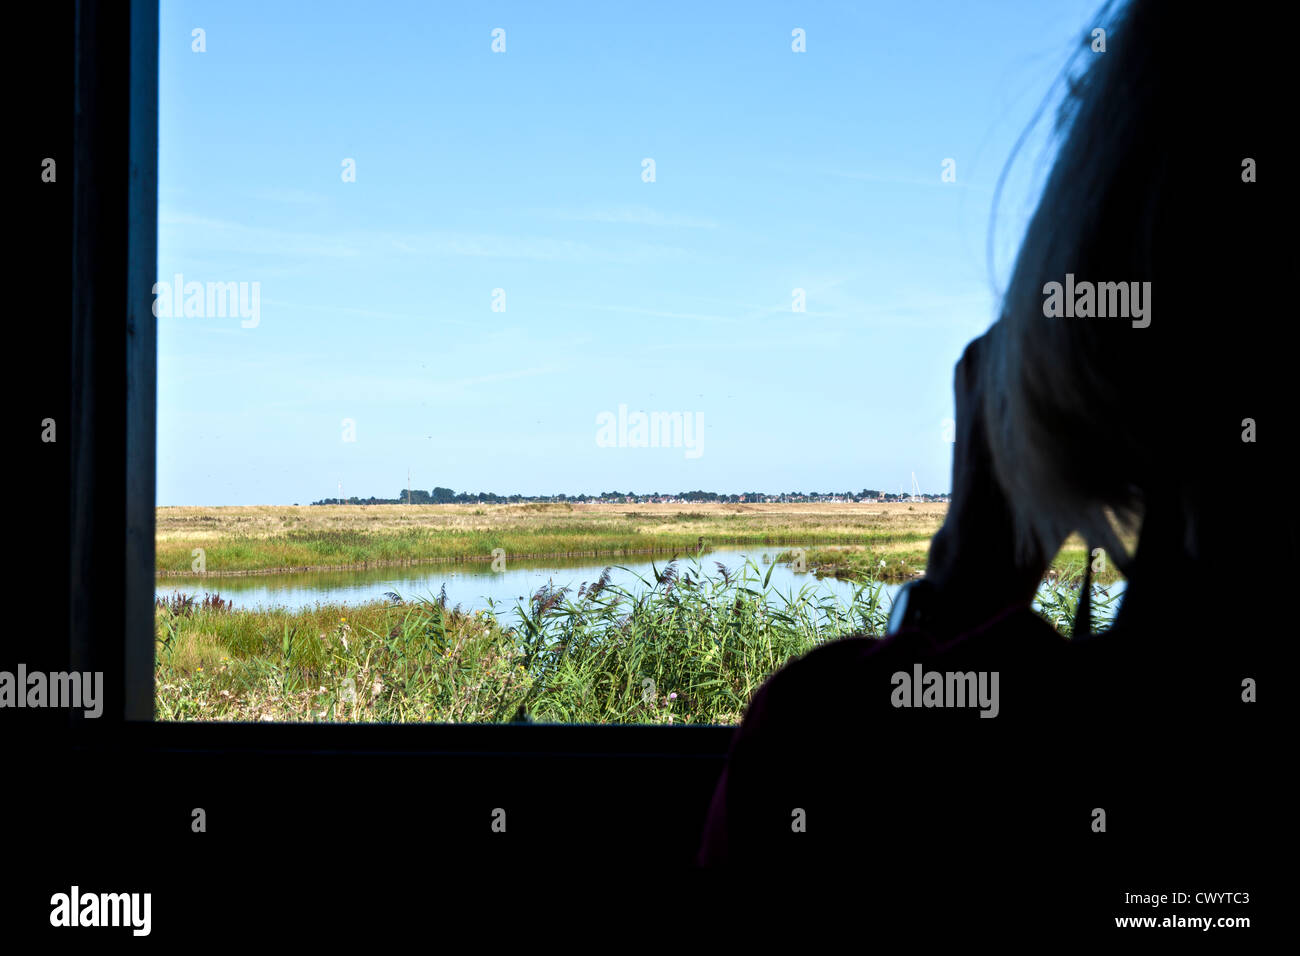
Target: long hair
point(1091, 420)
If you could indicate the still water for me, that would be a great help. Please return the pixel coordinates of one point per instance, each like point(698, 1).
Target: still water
point(472, 583)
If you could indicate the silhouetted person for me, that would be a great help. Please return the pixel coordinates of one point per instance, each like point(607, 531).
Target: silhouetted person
point(1072, 421)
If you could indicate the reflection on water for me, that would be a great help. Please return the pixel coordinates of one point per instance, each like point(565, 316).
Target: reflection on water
point(471, 584)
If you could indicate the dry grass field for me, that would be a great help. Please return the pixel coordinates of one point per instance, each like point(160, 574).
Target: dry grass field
point(795, 520)
point(249, 539)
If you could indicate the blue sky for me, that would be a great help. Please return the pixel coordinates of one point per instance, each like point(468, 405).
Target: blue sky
point(522, 171)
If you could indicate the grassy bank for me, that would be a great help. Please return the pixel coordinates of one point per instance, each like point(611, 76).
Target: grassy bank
point(862, 563)
point(242, 540)
point(691, 650)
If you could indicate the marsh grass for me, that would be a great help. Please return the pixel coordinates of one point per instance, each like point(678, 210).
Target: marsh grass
point(1064, 590)
point(904, 558)
point(253, 539)
point(692, 648)
point(892, 561)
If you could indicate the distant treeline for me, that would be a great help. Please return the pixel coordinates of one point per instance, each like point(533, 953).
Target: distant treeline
point(445, 496)
point(439, 496)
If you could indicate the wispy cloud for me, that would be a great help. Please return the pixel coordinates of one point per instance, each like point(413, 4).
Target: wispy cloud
point(904, 180)
point(630, 215)
point(290, 195)
point(662, 314)
point(260, 240)
point(329, 385)
point(362, 313)
point(463, 383)
point(219, 234)
point(743, 314)
point(534, 248)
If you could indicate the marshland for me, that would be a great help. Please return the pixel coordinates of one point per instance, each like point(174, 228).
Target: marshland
point(597, 613)
point(241, 540)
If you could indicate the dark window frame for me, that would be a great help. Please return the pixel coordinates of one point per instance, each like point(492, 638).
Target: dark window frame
point(112, 469)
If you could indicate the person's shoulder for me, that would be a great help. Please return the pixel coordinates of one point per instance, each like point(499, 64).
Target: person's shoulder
point(1020, 637)
point(1195, 674)
point(808, 686)
point(844, 680)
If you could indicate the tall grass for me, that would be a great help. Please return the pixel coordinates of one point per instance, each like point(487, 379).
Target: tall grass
point(1059, 601)
point(904, 557)
point(692, 648)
